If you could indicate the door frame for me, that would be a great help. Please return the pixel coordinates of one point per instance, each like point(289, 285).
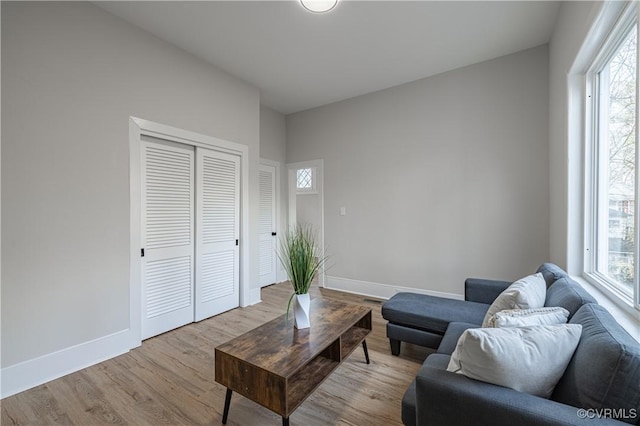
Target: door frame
point(280, 224)
point(138, 128)
point(292, 179)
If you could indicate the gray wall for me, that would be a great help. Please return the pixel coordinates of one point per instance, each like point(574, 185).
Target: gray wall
point(72, 75)
point(566, 225)
point(442, 178)
point(273, 146)
point(273, 135)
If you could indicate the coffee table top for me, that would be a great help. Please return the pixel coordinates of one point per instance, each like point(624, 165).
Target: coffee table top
point(279, 347)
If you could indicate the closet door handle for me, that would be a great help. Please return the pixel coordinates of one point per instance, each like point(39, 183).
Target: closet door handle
point(273, 234)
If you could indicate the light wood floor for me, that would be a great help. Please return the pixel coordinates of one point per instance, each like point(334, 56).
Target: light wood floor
point(169, 380)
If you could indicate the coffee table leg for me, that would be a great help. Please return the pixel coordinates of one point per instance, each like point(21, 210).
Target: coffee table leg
point(285, 421)
point(366, 352)
point(227, 403)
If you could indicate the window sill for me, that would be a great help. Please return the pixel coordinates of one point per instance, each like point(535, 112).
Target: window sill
point(626, 315)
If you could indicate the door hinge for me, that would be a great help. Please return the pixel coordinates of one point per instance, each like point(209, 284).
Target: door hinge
point(141, 252)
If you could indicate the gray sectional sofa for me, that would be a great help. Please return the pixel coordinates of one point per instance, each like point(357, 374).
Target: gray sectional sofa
point(601, 385)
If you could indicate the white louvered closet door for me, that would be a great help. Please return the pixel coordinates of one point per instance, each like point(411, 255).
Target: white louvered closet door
point(267, 225)
point(167, 237)
point(218, 230)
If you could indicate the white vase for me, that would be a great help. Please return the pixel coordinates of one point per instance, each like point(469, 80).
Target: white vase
point(301, 310)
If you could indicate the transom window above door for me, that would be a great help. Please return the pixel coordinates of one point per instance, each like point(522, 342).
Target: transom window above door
point(305, 181)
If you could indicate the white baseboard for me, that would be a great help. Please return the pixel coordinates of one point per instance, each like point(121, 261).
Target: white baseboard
point(382, 291)
point(28, 374)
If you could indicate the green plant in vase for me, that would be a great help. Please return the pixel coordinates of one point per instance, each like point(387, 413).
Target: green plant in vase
point(302, 257)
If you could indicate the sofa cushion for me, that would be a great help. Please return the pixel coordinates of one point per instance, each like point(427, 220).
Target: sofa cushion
point(431, 313)
point(551, 273)
point(605, 369)
point(527, 317)
point(527, 359)
point(568, 294)
point(453, 333)
point(526, 293)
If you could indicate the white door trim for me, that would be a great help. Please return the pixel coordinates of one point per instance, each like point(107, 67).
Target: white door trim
point(137, 128)
point(292, 179)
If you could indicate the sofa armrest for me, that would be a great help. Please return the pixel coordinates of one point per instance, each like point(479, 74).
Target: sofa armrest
point(452, 335)
point(483, 291)
point(445, 398)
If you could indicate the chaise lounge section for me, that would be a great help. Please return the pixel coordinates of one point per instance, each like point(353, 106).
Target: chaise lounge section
point(423, 320)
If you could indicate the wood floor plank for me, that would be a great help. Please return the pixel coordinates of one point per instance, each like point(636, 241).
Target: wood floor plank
point(38, 406)
point(170, 379)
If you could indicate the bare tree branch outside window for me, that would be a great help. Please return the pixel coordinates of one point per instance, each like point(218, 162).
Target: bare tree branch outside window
point(621, 129)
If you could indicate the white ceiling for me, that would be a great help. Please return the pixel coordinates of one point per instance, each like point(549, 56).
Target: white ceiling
point(300, 60)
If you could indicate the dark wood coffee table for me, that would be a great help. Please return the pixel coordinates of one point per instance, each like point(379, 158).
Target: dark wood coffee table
point(278, 366)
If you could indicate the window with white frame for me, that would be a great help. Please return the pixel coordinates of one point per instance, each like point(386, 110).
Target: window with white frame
point(612, 180)
point(306, 180)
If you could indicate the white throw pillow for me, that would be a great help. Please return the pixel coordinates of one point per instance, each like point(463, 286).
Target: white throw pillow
point(527, 359)
point(526, 293)
point(526, 317)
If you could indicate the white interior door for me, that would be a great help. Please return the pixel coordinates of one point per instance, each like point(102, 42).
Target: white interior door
point(267, 225)
point(300, 188)
point(218, 230)
point(167, 236)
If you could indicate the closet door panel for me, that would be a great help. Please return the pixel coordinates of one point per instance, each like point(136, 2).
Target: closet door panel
point(168, 229)
point(218, 230)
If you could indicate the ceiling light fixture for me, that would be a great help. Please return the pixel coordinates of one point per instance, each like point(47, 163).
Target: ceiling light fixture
point(319, 6)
